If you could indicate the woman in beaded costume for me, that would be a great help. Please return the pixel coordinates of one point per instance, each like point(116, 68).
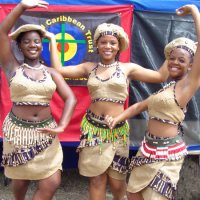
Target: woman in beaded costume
point(155, 169)
point(103, 153)
point(31, 148)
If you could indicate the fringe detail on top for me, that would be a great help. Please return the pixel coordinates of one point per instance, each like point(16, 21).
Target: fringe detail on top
point(163, 185)
point(93, 135)
point(120, 164)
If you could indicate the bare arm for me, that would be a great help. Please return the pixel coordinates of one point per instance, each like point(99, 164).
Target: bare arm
point(140, 73)
point(69, 104)
point(7, 59)
point(133, 110)
point(75, 71)
point(68, 97)
point(194, 75)
point(191, 82)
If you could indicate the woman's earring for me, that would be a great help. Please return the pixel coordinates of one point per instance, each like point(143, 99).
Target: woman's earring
point(97, 50)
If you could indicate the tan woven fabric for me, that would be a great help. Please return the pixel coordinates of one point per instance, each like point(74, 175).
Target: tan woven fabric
point(27, 154)
point(106, 28)
point(182, 41)
point(26, 28)
point(92, 163)
point(42, 166)
point(141, 176)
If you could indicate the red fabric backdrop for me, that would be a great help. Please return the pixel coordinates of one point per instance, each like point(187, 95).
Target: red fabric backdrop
point(72, 132)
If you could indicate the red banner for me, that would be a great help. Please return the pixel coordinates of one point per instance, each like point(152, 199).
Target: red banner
point(67, 18)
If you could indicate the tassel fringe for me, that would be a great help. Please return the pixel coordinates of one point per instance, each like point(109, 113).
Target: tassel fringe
point(24, 140)
point(93, 135)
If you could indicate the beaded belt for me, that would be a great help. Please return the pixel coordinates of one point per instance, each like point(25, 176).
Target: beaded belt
point(164, 142)
point(29, 124)
point(96, 132)
point(99, 120)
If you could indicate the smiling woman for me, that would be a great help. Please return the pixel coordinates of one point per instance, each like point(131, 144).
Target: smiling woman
point(155, 169)
point(31, 148)
point(104, 152)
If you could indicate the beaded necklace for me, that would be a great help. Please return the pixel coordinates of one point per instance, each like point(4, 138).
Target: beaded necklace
point(33, 68)
point(107, 66)
point(115, 72)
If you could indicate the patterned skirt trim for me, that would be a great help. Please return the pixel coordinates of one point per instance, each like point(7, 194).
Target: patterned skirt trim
point(96, 132)
point(137, 161)
point(22, 142)
point(120, 164)
point(163, 185)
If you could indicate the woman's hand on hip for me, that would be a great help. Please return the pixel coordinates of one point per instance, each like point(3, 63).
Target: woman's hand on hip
point(51, 131)
point(110, 121)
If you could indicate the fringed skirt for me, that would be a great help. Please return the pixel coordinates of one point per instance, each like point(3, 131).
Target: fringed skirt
point(27, 154)
point(102, 149)
point(155, 169)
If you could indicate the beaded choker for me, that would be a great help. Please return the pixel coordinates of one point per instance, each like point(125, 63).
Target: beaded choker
point(33, 68)
point(107, 66)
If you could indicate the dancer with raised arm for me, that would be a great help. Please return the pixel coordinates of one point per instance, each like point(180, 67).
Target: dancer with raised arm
point(104, 153)
point(155, 169)
point(31, 148)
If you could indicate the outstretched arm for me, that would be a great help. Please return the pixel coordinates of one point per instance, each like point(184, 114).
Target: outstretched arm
point(7, 59)
point(75, 71)
point(133, 110)
point(192, 82)
point(140, 73)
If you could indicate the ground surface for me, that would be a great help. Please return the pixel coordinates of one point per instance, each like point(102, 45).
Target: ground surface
point(75, 187)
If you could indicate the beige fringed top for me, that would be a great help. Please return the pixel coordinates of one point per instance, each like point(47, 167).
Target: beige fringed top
point(26, 91)
point(164, 106)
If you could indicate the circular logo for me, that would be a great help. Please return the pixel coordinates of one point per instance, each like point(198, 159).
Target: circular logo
point(71, 44)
